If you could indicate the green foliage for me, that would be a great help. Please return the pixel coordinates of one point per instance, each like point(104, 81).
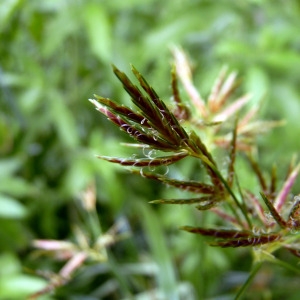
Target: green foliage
point(56, 54)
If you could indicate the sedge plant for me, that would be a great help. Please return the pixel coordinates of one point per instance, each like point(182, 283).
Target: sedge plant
point(263, 222)
point(88, 243)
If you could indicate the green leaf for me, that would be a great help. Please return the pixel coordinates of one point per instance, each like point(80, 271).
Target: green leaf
point(17, 286)
point(57, 30)
point(14, 284)
point(8, 7)
point(98, 28)
point(9, 165)
point(11, 208)
point(63, 119)
point(16, 186)
point(256, 84)
point(161, 253)
point(9, 264)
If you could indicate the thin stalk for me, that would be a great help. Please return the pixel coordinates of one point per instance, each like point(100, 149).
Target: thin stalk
point(240, 206)
point(234, 212)
point(248, 281)
point(241, 193)
point(285, 265)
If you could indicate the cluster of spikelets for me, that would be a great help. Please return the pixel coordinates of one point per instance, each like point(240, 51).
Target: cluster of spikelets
point(168, 135)
point(174, 133)
point(88, 243)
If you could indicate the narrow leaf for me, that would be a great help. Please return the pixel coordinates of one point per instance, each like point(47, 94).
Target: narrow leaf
point(11, 208)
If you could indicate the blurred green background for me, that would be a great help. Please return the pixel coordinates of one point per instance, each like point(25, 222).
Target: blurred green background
point(54, 55)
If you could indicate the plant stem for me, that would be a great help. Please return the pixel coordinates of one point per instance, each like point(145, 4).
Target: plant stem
point(256, 268)
point(285, 265)
point(240, 206)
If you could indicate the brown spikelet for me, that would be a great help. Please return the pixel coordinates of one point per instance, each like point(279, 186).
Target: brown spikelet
point(249, 241)
point(122, 110)
point(145, 162)
point(209, 203)
point(181, 111)
point(280, 221)
point(294, 217)
point(187, 185)
point(180, 201)
point(234, 238)
point(232, 155)
point(219, 233)
point(258, 173)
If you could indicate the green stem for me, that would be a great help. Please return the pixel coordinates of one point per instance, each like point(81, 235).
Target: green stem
point(256, 269)
point(240, 206)
point(248, 281)
point(196, 151)
point(285, 265)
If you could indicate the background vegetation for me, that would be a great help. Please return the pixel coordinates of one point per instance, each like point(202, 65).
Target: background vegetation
point(54, 55)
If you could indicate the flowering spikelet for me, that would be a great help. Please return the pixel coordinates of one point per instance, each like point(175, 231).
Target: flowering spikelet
point(178, 133)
